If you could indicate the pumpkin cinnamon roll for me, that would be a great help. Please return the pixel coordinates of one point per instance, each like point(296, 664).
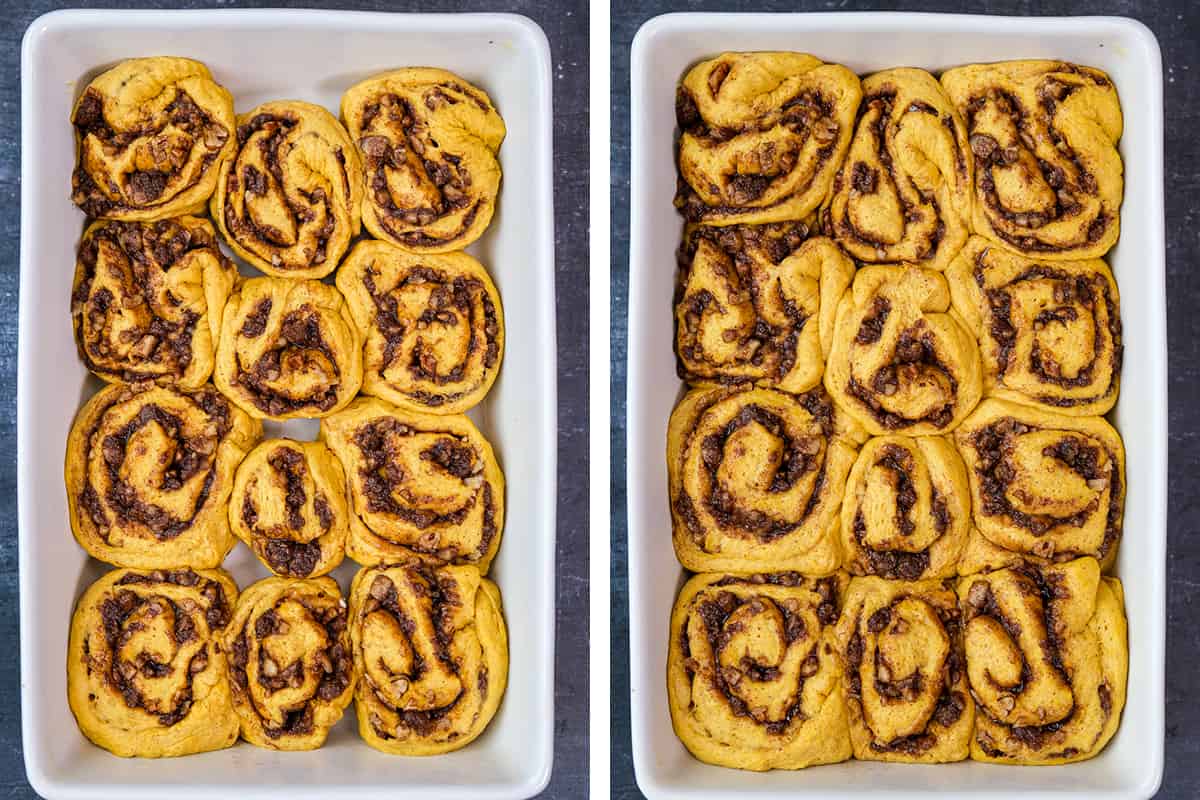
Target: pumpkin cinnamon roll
point(762, 136)
point(288, 349)
point(1047, 659)
point(432, 652)
point(145, 664)
point(907, 512)
point(289, 200)
point(905, 677)
point(756, 479)
point(1048, 180)
point(149, 470)
point(150, 135)
point(428, 141)
point(903, 194)
point(147, 300)
point(432, 326)
point(1043, 485)
point(753, 681)
point(421, 486)
point(291, 670)
point(1049, 332)
point(289, 506)
point(755, 304)
point(899, 362)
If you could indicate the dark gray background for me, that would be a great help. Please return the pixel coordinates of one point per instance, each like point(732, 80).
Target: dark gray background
point(566, 26)
point(1175, 22)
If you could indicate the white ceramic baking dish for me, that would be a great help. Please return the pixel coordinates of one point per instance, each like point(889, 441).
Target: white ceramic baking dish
point(1131, 766)
point(315, 56)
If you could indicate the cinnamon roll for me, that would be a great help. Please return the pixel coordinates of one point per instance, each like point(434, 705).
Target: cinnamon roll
point(147, 300)
point(755, 304)
point(421, 486)
point(290, 199)
point(762, 136)
point(150, 135)
point(904, 672)
point(1047, 659)
point(1049, 332)
point(1043, 485)
point(289, 506)
point(907, 509)
point(899, 363)
point(428, 141)
point(753, 681)
point(149, 470)
point(903, 194)
point(145, 666)
point(756, 479)
point(291, 670)
point(288, 349)
point(1048, 180)
point(432, 326)
point(432, 651)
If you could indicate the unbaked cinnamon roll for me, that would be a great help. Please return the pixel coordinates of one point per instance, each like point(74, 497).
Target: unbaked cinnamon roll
point(1044, 134)
point(1049, 332)
point(289, 506)
point(432, 652)
point(753, 681)
point(291, 670)
point(289, 200)
point(903, 194)
point(150, 135)
point(1043, 486)
point(756, 303)
point(149, 470)
point(1047, 659)
point(145, 666)
point(907, 509)
point(899, 362)
point(421, 486)
point(762, 136)
point(905, 677)
point(147, 300)
point(288, 349)
point(432, 326)
point(428, 141)
point(756, 479)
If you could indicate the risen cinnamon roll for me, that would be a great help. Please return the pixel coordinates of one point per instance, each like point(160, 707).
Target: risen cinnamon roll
point(150, 135)
point(1049, 332)
point(1042, 485)
point(907, 511)
point(1047, 173)
point(763, 135)
point(904, 673)
point(900, 363)
point(752, 678)
point(756, 480)
point(755, 303)
point(903, 194)
point(1047, 659)
point(288, 349)
point(289, 506)
point(432, 326)
point(149, 470)
point(147, 300)
point(432, 651)
point(145, 666)
point(422, 486)
point(429, 142)
point(289, 200)
point(291, 670)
